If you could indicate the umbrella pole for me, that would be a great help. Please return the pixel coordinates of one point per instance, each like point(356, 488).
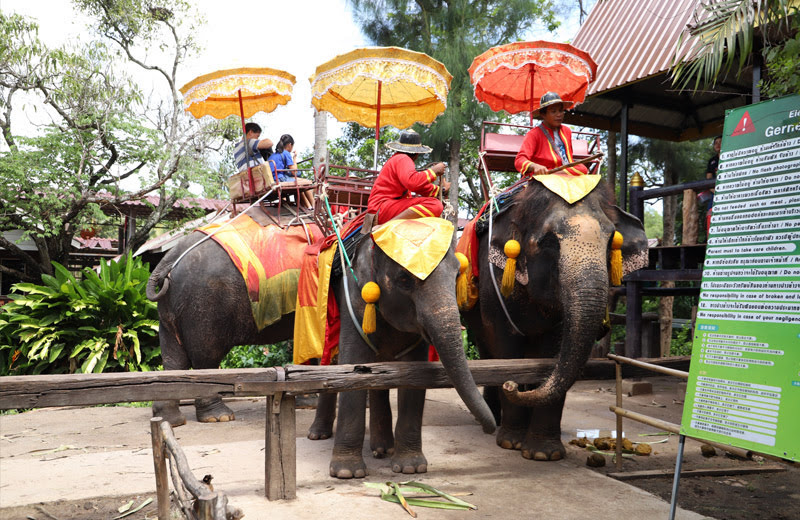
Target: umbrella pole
point(531, 112)
point(377, 126)
point(246, 147)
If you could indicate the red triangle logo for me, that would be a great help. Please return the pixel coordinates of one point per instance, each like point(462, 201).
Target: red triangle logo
point(744, 126)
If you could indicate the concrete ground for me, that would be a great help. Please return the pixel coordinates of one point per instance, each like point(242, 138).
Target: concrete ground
point(77, 453)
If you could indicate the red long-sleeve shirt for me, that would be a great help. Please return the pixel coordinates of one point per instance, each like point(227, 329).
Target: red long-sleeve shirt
point(398, 179)
point(536, 148)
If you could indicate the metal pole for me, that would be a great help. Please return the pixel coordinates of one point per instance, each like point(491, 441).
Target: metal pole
point(756, 77)
point(678, 462)
point(377, 126)
point(623, 162)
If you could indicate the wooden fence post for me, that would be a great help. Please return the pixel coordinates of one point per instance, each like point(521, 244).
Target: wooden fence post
point(281, 448)
point(160, 465)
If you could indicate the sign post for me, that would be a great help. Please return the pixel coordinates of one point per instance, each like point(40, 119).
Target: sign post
point(744, 381)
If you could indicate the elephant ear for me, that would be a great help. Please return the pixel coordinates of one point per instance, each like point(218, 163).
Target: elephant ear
point(634, 239)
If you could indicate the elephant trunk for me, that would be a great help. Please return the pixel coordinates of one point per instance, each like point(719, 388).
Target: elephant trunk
point(441, 324)
point(584, 289)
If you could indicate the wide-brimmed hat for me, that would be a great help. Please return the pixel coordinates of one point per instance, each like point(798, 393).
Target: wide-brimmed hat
point(410, 142)
point(552, 98)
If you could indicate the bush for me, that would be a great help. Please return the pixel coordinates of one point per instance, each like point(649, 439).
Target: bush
point(259, 356)
point(103, 322)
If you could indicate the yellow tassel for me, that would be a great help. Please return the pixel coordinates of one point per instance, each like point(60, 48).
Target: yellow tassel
point(370, 293)
point(511, 249)
point(461, 283)
point(616, 259)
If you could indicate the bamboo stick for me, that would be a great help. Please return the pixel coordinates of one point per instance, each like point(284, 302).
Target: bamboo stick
point(650, 366)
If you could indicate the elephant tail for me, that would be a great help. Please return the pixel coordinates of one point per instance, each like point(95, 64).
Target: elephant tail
point(158, 283)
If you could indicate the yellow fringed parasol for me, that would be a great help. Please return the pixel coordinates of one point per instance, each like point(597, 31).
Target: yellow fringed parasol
point(242, 91)
point(376, 86)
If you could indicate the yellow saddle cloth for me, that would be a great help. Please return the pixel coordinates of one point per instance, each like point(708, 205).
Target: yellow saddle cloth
point(571, 188)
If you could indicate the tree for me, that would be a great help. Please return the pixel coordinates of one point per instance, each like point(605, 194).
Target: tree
point(453, 32)
point(100, 128)
point(726, 31)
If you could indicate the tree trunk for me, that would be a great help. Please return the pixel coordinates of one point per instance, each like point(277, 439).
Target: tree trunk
point(320, 138)
point(665, 303)
point(689, 237)
point(455, 171)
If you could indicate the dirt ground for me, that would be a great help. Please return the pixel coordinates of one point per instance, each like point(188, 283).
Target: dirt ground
point(86, 463)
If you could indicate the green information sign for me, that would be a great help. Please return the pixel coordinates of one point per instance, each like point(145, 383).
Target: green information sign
point(744, 381)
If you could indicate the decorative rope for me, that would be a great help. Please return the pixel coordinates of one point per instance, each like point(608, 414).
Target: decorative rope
point(494, 281)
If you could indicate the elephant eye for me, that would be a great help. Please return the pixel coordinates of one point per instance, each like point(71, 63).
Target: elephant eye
point(405, 281)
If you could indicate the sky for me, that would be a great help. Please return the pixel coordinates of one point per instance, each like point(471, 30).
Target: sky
point(296, 38)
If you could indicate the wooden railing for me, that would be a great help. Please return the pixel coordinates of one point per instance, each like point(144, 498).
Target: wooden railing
point(280, 385)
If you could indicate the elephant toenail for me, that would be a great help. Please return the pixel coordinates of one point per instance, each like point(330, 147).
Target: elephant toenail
point(540, 456)
point(526, 454)
point(556, 456)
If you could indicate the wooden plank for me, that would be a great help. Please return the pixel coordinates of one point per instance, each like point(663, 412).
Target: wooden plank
point(160, 466)
point(711, 472)
point(90, 389)
point(280, 448)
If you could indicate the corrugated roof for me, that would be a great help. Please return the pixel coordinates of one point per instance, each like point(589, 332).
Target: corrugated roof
point(631, 40)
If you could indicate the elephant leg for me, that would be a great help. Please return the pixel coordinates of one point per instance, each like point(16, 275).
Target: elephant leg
point(491, 394)
point(346, 461)
point(174, 358)
point(513, 426)
point(322, 427)
point(381, 439)
point(408, 457)
point(543, 440)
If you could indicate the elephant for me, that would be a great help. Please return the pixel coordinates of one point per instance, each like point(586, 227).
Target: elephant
point(558, 303)
point(204, 311)
point(411, 314)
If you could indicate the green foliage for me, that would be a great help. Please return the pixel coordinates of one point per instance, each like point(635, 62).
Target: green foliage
point(783, 65)
point(653, 223)
point(681, 344)
point(102, 322)
point(356, 146)
point(259, 356)
point(470, 348)
point(726, 35)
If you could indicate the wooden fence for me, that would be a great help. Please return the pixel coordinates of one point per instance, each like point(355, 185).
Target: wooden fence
point(280, 386)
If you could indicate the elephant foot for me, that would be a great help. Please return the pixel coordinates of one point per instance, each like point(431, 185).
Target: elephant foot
point(348, 466)
point(544, 449)
point(322, 427)
point(170, 412)
point(410, 463)
point(510, 439)
point(318, 432)
point(382, 451)
point(213, 410)
point(382, 445)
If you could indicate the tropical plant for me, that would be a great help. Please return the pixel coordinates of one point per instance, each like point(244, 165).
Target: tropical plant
point(102, 322)
point(258, 356)
point(725, 32)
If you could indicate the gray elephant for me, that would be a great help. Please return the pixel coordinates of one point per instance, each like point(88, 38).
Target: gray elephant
point(558, 304)
point(412, 313)
point(204, 311)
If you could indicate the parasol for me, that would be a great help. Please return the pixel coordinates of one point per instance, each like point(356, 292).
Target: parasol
point(242, 91)
point(376, 86)
point(513, 77)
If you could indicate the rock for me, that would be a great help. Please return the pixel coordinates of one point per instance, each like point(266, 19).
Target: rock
point(595, 460)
